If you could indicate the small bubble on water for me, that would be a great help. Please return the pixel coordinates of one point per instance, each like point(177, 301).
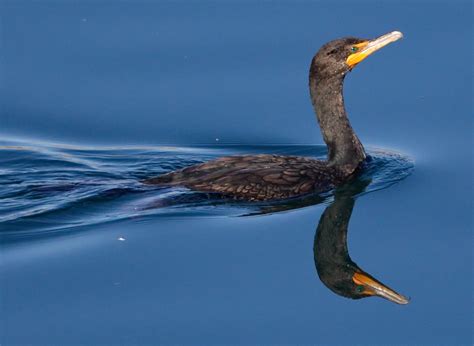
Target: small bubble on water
point(121, 239)
point(217, 139)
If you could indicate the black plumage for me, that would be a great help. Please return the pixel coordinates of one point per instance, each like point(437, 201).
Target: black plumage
point(256, 177)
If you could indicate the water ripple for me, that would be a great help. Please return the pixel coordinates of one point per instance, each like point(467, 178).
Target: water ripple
point(52, 188)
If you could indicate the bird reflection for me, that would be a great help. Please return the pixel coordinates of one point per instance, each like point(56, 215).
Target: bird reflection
point(334, 266)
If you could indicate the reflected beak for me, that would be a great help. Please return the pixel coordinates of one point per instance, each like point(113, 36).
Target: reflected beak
point(374, 287)
point(364, 49)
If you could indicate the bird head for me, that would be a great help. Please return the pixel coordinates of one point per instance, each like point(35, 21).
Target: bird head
point(340, 56)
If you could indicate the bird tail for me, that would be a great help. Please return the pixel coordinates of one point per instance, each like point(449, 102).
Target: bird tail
point(165, 179)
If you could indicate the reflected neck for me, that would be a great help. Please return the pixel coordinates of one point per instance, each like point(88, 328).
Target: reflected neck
point(345, 150)
point(330, 246)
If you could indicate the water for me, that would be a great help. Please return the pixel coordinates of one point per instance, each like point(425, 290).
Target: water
point(97, 96)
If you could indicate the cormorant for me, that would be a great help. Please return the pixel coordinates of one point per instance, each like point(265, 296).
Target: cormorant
point(267, 177)
point(333, 263)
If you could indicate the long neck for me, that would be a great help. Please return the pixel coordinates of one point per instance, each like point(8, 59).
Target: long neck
point(330, 242)
point(345, 150)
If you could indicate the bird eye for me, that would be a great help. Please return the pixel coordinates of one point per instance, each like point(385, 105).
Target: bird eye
point(354, 49)
point(359, 289)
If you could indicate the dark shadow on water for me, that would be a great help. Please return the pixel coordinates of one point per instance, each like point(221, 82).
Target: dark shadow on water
point(334, 266)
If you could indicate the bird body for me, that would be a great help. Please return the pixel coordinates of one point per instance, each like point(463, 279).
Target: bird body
point(256, 177)
point(269, 177)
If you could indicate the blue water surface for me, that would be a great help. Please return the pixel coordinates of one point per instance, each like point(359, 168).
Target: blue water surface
point(97, 96)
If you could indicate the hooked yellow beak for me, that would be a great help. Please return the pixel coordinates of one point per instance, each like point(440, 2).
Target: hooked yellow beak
point(373, 287)
point(364, 49)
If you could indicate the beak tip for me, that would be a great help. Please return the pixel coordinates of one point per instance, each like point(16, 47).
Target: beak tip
point(402, 300)
point(405, 302)
point(397, 34)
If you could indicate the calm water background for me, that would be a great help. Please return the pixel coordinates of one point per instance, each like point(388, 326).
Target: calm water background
point(103, 74)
